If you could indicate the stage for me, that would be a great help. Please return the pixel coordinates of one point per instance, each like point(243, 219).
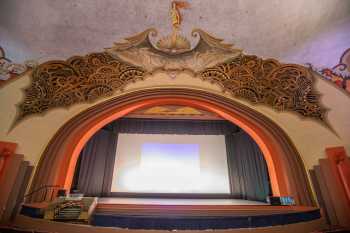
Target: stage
point(176, 201)
point(149, 213)
point(178, 207)
point(193, 214)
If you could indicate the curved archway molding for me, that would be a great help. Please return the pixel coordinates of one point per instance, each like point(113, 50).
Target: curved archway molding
point(287, 173)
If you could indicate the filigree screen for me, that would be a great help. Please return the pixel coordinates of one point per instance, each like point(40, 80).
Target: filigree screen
point(79, 79)
point(284, 87)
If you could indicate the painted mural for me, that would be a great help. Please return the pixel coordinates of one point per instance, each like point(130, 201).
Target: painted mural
point(339, 74)
point(9, 69)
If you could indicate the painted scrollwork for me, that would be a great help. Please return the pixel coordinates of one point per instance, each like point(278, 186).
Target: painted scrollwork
point(10, 70)
point(79, 79)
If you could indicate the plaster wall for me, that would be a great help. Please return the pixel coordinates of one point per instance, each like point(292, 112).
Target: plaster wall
point(298, 31)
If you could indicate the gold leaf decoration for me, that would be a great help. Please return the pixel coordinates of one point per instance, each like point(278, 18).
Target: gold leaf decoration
point(139, 51)
point(160, 110)
point(285, 87)
point(79, 79)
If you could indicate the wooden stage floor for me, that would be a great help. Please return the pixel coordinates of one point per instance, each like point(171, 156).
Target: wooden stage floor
point(174, 201)
point(191, 207)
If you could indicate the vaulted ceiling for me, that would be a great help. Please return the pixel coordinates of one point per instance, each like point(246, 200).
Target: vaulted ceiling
point(297, 31)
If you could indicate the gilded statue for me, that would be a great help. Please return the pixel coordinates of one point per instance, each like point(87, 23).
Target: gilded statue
point(175, 42)
point(176, 17)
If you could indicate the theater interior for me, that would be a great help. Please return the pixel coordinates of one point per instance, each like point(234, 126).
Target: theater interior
point(191, 116)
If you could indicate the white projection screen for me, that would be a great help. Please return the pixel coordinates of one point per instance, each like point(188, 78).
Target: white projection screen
point(158, 163)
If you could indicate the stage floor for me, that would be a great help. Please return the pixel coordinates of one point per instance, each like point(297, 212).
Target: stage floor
point(172, 201)
point(194, 214)
point(190, 207)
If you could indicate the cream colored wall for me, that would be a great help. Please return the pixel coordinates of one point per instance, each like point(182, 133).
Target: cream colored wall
point(310, 137)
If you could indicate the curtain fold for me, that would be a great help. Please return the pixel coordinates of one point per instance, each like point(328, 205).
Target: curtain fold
point(171, 126)
point(247, 168)
point(96, 164)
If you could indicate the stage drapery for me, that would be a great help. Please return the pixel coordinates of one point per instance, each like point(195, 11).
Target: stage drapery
point(96, 164)
point(247, 167)
point(165, 126)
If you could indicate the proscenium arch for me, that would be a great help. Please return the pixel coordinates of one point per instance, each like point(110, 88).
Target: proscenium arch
point(287, 173)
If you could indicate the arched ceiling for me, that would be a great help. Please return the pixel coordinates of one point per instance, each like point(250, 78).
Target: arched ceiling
point(296, 31)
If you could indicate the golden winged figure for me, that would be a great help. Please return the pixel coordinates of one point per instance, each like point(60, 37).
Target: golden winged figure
point(175, 14)
point(176, 19)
